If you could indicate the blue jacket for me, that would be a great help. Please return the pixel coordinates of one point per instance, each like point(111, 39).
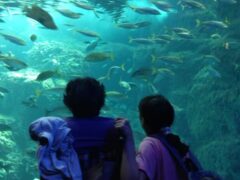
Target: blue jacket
point(57, 159)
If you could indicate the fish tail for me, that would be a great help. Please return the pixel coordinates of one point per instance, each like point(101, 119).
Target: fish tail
point(123, 67)
point(153, 58)
point(154, 71)
point(96, 14)
point(130, 39)
point(112, 57)
point(198, 23)
point(132, 7)
point(108, 77)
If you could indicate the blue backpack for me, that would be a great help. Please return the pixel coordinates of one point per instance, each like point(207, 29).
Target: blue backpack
point(198, 173)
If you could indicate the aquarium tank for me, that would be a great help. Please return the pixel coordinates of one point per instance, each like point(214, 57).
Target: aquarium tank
point(186, 50)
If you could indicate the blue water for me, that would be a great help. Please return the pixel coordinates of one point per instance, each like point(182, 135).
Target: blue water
point(204, 85)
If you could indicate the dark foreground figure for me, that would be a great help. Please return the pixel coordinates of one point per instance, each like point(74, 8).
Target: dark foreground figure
point(86, 146)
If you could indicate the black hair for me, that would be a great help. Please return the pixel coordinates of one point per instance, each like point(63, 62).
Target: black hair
point(156, 112)
point(84, 97)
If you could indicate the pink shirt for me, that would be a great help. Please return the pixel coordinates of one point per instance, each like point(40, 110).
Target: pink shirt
point(155, 160)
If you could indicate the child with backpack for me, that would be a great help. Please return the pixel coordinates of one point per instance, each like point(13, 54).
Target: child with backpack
point(85, 146)
point(161, 155)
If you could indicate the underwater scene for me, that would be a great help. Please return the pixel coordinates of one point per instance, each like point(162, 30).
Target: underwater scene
point(187, 50)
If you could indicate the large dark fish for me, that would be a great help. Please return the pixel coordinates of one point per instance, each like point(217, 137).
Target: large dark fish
point(143, 73)
point(41, 16)
point(99, 57)
point(45, 75)
point(14, 39)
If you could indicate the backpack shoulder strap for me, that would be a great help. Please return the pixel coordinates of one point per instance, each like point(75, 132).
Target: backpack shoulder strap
point(172, 151)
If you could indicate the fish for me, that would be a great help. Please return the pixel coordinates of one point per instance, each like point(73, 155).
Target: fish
point(141, 41)
point(136, 25)
point(213, 24)
point(180, 30)
point(152, 88)
point(145, 10)
point(33, 37)
point(5, 127)
point(111, 70)
point(14, 39)
point(215, 36)
point(127, 25)
point(162, 5)
point(83, 5)
point(2, 95)
point(3, 90)
point(40, 15)
point(115, 94)
point(160, 41)
point(142, 24)
point(165, 71)
point(88, 33)
point(192, 4)
point(68, 13)
point(58, 111)
point(92, 45)
point(127, 85)
point(68, 25)
point(207, 72)
point(99, 57)
point(12, 63)
point(45, 75)
point(228, 1)
point(165, 37)
point(143, 72)
point(185, 35)
point(86, 6)
point(177, 108)
point(167, 58)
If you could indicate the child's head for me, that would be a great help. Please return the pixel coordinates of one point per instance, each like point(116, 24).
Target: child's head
point(156, 112)
point(84, 97)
